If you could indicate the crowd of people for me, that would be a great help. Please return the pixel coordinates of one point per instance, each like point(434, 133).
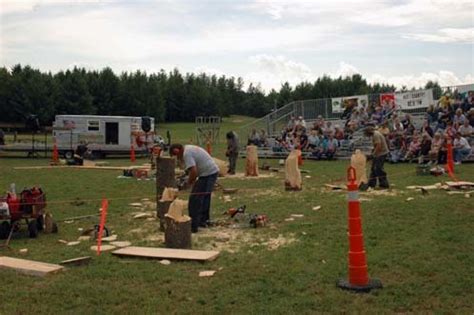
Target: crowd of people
point(451, 120)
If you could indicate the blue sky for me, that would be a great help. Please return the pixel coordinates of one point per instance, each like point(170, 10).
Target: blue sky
point(400, 42)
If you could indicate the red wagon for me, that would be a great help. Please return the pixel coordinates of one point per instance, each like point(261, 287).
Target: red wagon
point(29, 207)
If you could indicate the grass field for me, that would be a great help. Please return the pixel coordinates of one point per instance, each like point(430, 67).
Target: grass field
point(422, 250)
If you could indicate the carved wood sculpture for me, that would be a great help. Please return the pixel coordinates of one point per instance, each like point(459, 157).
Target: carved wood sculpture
point(168, 196)
point(359, 162)
point(177, 226)
point(223, 167)
point(292, 172)
point(251, 167)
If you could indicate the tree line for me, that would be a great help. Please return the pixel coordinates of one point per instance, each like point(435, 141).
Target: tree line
point(166, 96)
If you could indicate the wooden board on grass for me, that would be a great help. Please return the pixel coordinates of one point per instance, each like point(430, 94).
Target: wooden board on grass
point(167, 253)
point(29, 267)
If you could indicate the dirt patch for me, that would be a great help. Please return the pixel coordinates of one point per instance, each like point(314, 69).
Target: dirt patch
point(275, 243)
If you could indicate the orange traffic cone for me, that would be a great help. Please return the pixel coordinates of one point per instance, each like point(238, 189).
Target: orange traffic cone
point(55, 153)
point(132, 153)
point(358, 276)
point(449, 167)
point(209, 147)
point(300, 156)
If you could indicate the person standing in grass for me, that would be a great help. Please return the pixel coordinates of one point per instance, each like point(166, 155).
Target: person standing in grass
point(203, 173)
point(379, 155)
point(232, 152)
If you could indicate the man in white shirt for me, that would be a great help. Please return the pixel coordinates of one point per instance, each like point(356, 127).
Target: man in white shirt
point(203, 173)
point(462, 149)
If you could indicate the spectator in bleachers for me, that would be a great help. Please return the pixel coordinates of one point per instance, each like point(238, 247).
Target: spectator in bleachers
point(426, 128)
point(461, 147)
point(459, 117)
point(338, 134)
point(425, 145)
point(254, 138)
point(328, 129)
point(303, 139)
point(301, 122)
point(377, 116)
point(313, 140)
point(466, 130)
point(431, 114)
point(397, 126)
point(263, 141)
point(329, 146)
point(470, 117)
point(291, 123)
point(413, 148)
point(436, 145)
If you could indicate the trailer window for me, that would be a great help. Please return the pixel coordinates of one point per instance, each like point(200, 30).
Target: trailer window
point(93, 125)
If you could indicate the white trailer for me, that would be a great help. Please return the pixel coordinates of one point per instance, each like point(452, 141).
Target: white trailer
point(104, 135)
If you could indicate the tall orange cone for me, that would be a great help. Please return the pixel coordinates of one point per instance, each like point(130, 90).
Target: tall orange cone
point(449, 167)
point(209, 147)
point(132, 153)
point(55, 153)
point(358, 276)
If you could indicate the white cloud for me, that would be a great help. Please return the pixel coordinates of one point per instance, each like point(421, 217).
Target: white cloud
point(443, 77)
point(445, 35)
point(272, 71)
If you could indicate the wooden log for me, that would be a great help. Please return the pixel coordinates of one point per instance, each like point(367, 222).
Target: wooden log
point(359, 162)
point(165, 177)
point(251, 166)
point(163, 207)
point(177, 233)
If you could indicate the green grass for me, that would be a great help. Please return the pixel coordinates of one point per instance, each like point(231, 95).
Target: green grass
point(422, 250)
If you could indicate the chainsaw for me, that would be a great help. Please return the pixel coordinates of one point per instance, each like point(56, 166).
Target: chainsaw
point(232, 212)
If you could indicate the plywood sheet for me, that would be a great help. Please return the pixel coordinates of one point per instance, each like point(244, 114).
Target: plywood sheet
point(29, 267)
point(167, 253)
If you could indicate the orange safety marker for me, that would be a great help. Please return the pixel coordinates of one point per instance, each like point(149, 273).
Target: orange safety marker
point(55, 153)
point(132, 153)
point(449, 167)
point(358, 276)
point(209, 147)
point(103, 215)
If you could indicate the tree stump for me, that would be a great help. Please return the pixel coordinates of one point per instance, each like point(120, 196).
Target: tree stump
point(292, 172)
point(165, 177)
point(177, 233)
point(162, 209)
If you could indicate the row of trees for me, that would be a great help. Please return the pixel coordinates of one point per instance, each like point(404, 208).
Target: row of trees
point(166, 96)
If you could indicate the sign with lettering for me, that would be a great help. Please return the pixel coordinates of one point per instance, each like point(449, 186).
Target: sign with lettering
point(414, 99)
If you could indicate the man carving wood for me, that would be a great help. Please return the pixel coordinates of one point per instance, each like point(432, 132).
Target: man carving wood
point(203, 173)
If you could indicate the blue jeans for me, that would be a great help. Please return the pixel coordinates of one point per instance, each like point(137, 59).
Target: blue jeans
point(461, 154)
point(200, 201)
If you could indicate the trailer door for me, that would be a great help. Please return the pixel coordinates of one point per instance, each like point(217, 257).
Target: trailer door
point(111, 133)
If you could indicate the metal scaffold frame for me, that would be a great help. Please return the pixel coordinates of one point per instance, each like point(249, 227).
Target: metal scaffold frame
point(208, 129)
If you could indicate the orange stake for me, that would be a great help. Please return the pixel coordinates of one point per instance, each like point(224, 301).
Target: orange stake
point(358, 275)
point(55, 153)
point(209, 147)
point(103, 215)
point(132, 153)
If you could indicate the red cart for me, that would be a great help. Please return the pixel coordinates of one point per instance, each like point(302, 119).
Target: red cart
point(29, 208)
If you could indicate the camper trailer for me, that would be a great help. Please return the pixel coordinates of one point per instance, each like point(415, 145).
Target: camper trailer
point(104, 135)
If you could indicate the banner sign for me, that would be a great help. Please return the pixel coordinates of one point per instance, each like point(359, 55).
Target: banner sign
point(387, 98)
point(339, 104)
point(336, 103)
point(414, 99)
